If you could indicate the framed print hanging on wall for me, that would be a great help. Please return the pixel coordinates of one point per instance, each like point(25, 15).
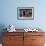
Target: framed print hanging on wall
point(25, 13)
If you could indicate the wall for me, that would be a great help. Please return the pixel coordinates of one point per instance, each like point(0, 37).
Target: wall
point(8, 13)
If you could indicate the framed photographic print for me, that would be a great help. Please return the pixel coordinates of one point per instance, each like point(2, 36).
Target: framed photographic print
point(25, 13)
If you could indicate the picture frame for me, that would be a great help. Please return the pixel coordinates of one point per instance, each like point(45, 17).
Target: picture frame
point(25, 13)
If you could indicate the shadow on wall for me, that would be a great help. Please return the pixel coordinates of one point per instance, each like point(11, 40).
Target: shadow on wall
point(2, 26)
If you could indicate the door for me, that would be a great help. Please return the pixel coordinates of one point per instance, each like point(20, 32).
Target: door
point(13, 40)
point(37, 40)
point(27, 39)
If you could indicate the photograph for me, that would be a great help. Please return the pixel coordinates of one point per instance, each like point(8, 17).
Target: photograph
point(25, 13)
